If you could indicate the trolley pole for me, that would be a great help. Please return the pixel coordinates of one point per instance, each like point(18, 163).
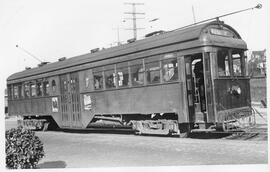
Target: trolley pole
point(27, 52)
point(134, 18)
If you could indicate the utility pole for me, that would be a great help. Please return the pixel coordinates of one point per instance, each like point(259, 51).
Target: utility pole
point(134, 18)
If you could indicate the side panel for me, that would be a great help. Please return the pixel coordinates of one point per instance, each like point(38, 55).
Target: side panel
point(208, 88)
point(190, 88)
point(183, 98)
point(53, 101)
point(86, 85)
point(143, 100)
point(225, 97)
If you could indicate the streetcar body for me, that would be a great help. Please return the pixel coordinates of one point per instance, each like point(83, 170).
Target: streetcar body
point(195, 77)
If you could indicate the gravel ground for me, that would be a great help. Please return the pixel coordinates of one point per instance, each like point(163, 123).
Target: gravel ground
point(111, 150)
point(73, 150)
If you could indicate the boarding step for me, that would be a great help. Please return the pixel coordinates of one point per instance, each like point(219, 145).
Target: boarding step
point(156, 127)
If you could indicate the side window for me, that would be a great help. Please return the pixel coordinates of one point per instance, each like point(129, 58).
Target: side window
point(9, 92)
point(137, 72)
point(98, 78)
point(20, 89)
point(33, 90)
point(170, 70)
point(223, 63)
point(15, 92)
point(110, 76)
point(87, 81)
point(122, 74)
point(152, 68)
point(26, 90)
point(53, 85)
point(39, 89)
point(45, 87)
point(236, 61)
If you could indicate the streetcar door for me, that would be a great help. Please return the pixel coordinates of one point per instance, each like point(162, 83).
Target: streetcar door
point(64, 99)
point(190, 88)
point(194, 65)
point(75, 100)
point(70, 100)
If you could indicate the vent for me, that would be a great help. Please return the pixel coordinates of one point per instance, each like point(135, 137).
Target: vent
point(62, 59)
point(42, 64)
point(155, 33)
point(95, 50)
point(131, 40)
point(27, 68)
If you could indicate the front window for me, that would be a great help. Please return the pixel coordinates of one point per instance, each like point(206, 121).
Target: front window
point(236, 61)
point(230, 62)
point(223, 63)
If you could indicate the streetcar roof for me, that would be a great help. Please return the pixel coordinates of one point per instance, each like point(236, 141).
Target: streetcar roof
point(167, 38)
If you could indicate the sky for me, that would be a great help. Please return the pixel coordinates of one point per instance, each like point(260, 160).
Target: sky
point(51, 29)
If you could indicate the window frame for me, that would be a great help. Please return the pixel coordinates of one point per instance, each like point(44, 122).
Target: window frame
point(230, 62)
point(174, 67)
point(120, 67)
point(136, 68)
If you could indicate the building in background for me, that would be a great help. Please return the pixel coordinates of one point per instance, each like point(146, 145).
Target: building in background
point(257, 64)
point(6, 103)
point(257, 72)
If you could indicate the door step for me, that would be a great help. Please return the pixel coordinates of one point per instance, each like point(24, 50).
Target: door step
point(156, 127)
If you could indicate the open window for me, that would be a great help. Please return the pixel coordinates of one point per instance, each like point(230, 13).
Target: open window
point(122, 74)
point(26, 90)
point(45, 87)
point(33, 90)
point(152, 68)
point(39, 89)
point(53, 85)
point(137, 72)
point(98, 78)
point(110, 77)
point(170, 70)
point(16, 92)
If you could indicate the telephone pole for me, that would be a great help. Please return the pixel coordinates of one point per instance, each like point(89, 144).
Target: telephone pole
point(134, 18)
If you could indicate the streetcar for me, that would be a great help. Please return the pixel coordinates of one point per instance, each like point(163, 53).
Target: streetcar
point(172, 83)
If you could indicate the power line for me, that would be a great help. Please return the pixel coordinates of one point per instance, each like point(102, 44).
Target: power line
point(134, 18)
